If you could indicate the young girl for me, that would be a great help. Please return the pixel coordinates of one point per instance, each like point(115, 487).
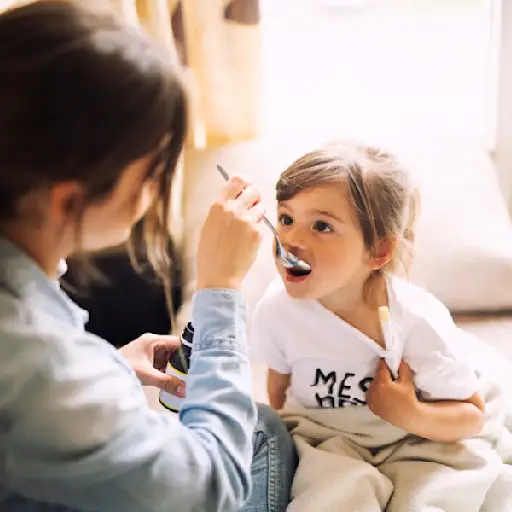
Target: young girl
point(332, 337)
point(92, 122)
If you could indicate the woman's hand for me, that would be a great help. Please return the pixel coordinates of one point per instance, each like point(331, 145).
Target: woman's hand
point(393, 400)
point(148, 356)
point(230, 237)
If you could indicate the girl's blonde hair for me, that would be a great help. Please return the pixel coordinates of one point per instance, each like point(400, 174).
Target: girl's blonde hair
point(379, 187)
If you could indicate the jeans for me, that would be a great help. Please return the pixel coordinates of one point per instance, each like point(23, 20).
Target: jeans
point(273, 466)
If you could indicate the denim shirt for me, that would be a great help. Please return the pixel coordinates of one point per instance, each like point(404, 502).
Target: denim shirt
point(76, 432)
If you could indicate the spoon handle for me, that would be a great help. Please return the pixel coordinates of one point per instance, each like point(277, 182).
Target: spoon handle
point(271, 227)
point(223, 172)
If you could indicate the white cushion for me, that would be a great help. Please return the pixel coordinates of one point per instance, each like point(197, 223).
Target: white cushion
point(464, 236)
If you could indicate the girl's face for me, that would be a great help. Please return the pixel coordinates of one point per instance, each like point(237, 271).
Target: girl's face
point(319, 225)
point(109, 222)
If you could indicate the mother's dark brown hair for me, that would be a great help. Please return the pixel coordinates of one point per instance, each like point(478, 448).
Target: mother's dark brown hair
point(81, 96)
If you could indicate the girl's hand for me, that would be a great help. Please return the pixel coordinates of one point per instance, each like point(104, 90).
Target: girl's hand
point(230, 237)
point(445, 421)
point(393, 401)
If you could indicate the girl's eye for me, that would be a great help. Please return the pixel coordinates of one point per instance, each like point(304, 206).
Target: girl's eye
point(322, 227)
point(285, 220)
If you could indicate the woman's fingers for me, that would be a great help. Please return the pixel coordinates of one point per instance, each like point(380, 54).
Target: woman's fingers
point(230, 237)
point(240, 193)
point(248, 198)
point(255, 213)
point(233, 188)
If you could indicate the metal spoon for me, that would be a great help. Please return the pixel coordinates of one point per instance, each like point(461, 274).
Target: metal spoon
point(287, 259)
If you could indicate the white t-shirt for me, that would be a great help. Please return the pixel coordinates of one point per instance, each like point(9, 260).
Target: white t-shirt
point(332, 364)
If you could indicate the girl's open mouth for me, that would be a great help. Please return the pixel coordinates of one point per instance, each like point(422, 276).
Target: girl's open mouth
point(296, 275)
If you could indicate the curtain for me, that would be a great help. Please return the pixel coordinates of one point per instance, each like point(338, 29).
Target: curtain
point(219, 43)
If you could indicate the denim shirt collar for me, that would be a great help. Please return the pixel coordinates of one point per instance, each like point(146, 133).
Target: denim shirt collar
point(23, 278)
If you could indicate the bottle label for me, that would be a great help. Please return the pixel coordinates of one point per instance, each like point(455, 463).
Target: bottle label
point(171, 402)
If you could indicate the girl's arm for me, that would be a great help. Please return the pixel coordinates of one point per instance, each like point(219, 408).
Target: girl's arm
point(447, 421)
point(84, 436)
point(277, 384)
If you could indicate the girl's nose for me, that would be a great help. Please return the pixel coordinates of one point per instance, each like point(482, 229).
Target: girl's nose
point(293, 239)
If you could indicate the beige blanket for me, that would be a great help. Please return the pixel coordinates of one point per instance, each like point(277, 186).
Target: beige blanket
point(352, 461)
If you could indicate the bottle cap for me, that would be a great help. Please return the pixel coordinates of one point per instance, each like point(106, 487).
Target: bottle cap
point(187, 336)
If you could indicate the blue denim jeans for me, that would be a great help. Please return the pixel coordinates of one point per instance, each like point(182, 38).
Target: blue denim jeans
point(274, 463)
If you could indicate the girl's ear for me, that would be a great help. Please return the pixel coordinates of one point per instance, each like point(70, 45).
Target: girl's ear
point(383, 252)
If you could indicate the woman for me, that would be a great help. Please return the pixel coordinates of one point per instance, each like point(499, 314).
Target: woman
point(92, 120)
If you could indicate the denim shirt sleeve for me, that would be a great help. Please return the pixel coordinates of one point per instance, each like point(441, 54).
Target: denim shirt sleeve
point(83, 435)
